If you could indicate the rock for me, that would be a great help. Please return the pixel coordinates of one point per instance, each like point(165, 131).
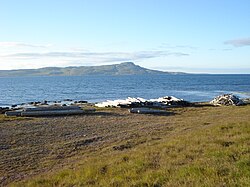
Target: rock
point(4, 147)
point(34, 103)
point(82, 101)
point(67, 100)
point(44, 103)
point(227, 99)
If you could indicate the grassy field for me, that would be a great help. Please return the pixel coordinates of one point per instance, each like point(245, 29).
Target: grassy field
point(206, 146)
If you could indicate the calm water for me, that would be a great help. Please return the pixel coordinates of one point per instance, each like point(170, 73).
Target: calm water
point(100, 88)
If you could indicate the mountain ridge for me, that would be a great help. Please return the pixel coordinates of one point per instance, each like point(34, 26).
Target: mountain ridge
point(125, 68)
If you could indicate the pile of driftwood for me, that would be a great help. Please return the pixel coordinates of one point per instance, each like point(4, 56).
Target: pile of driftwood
point(4, 109)
point(227, 99)
point(49, 111)
point(246, 101)
point(161, 102)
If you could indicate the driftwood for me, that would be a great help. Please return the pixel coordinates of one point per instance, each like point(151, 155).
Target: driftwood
point(227, 99)
point(49, 111)
point(13, 113)
point(246, 101)
point(162, 102)
point(146, 111)
point(4, 109)
point(51, 108)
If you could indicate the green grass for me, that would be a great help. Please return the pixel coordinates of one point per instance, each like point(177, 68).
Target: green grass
point(4, 118)
point(211, 155)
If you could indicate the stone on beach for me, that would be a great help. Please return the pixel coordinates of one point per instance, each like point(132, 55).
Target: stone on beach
point(227, 99)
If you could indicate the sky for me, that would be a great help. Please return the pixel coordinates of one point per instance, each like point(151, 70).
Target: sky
point(195, 36)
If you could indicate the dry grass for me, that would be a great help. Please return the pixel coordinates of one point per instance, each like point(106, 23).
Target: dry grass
point(3, 118)
point(194, 147)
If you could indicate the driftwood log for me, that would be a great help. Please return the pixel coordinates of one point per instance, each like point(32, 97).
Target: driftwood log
point(49, 111)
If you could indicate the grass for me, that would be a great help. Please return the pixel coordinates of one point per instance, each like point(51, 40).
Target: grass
point(210, 147)
point(4, 118)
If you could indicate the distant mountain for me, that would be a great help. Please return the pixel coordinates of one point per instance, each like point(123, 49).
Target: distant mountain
point(126, 68)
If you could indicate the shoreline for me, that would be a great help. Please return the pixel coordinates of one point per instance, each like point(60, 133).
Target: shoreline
point(68, 102)
point(241, 95)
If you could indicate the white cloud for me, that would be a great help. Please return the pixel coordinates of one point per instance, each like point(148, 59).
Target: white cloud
point(239, 42)
point(20, 44)
point(35, 57)
point(168, 46)
point(103, 55)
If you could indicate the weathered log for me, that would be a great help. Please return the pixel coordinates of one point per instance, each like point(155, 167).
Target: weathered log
point(50, 113)
point(13, 113)
point(52, 108)
point(146, 111)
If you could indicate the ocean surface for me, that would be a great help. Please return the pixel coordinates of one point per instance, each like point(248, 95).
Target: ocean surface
point(100, 88)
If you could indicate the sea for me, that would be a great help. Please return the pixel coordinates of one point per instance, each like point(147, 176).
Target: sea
point(191, 87)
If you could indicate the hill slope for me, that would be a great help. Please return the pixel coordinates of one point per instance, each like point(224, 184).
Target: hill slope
point(126, 68)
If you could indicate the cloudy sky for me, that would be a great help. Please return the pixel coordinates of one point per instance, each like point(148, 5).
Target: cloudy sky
point(182, 35)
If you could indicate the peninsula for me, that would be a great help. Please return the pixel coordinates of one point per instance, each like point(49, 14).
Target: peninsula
point(126, 68)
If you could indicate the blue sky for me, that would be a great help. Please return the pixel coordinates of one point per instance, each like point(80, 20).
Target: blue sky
point(170, 35)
